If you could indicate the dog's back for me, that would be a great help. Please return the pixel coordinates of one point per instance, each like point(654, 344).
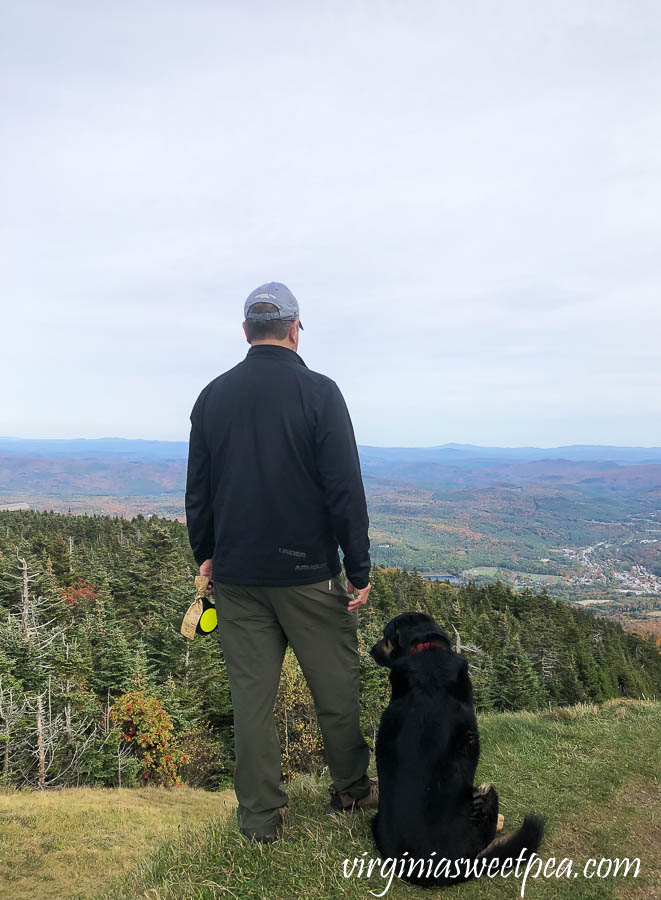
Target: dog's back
point(427, 751)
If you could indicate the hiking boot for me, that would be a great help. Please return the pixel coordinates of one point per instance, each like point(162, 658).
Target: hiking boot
point(341, 802)
point(273, 836)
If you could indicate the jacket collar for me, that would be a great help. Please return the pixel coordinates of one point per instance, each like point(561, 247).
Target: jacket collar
point(274, 351)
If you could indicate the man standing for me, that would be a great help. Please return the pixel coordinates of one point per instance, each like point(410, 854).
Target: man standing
point(273, 486)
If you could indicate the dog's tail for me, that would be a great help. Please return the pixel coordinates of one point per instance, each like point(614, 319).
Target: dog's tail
point(522, 843)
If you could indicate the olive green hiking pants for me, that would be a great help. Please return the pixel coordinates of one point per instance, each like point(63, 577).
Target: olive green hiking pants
point(255, 625)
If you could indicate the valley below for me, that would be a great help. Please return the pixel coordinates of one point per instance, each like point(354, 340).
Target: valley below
point(582, 522)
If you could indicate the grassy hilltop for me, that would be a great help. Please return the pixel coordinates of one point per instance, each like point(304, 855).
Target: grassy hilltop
point(593, 772)
point(99, 693)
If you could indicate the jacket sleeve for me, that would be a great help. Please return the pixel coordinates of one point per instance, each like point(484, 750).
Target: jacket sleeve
point(339, 469)
point(198, 501)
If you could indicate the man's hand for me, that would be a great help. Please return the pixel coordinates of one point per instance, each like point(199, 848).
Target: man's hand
point(205, 569)
point(360, 596)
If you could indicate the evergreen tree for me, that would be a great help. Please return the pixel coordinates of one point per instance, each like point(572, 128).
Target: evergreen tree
point(142, 676)
point(516, 686)
point(91, 605)
point(114, 664)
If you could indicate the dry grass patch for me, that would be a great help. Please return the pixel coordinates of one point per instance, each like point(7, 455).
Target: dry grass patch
point(67, 844)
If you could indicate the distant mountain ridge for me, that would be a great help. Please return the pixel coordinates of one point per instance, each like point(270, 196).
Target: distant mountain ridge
point(449, 453)
point(129, 448)
point(145, 449)
point(584, 521)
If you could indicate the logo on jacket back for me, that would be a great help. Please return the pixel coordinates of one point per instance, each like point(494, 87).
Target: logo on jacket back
point(292, 552)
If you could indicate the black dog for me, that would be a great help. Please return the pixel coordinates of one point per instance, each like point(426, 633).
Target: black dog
point(427, 750)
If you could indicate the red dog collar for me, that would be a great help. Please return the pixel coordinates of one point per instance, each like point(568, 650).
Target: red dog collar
point(425, 646)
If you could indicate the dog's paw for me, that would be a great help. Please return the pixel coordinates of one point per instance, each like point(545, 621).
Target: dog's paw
point(501, 822)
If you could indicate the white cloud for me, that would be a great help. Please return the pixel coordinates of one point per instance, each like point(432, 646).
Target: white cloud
point(466, 199)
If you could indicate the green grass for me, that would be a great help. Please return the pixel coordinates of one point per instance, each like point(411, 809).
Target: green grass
point(591, 771)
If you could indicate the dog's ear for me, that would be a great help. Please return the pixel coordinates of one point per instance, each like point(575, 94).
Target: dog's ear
point(444, 638)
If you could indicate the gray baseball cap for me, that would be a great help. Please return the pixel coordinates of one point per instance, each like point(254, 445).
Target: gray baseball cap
point(277, 294)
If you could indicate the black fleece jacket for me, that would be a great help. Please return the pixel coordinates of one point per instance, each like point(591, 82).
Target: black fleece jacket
point(274, 481)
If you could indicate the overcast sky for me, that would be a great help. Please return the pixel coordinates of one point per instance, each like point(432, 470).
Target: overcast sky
point(464, 197)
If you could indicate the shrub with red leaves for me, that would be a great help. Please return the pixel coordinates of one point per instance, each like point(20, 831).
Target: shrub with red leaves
point(146, 725)
point(81, 592)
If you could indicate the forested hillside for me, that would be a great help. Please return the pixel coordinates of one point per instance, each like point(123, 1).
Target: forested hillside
point(97, 685)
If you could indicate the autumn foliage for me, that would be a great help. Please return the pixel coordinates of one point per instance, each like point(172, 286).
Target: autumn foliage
point(300, 738)
point(145, 725)
point(80, 592)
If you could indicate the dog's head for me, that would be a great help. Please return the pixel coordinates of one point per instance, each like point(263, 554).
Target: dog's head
point(402, 635)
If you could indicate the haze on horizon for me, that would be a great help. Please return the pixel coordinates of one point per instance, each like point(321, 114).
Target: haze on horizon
point(465, 198)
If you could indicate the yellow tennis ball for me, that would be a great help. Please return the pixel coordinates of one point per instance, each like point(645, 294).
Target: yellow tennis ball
point(208, 620)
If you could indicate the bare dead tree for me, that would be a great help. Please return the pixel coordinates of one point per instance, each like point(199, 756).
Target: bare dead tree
point(460, 647)
point(33, 607)
point(56, 750)
point(44, 739)
point(124, 751)
point(27, 605)
point(548, 663)
point(11, 713)
point(67, 702)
